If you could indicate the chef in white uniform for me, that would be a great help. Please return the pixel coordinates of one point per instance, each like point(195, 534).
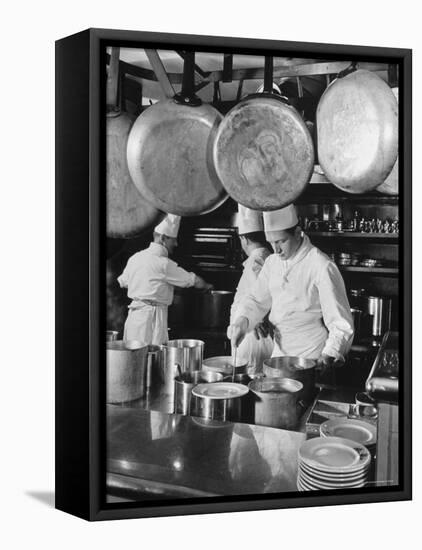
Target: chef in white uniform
point(257, 344)
point(304, 292)
point(150, 277)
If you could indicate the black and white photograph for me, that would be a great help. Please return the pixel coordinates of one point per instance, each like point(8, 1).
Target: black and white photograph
point(253, 300)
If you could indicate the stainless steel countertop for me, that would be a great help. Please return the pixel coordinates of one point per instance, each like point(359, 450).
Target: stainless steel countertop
point(153, 455)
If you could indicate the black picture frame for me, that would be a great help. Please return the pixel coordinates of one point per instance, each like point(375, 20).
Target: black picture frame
point(80, 235)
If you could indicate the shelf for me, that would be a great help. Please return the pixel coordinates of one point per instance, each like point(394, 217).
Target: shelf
point(371, 270)
point(352, 235)
point(330, 193)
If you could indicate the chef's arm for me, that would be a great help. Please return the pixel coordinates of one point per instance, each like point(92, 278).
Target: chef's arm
point(251, 309)
point(122, 279)
point(178, 276)
point(336, 313)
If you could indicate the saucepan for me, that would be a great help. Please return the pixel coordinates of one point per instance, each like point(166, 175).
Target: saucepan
point(184, 402)
point(276, 402)
point(221, 401)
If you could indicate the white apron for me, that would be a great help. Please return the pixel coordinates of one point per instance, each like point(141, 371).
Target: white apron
point(147, 323)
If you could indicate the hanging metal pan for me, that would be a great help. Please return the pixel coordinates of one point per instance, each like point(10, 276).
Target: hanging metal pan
point(391, 184)
point(128, 213)
point(357, 128)
point(169, 152)
point(263, 152)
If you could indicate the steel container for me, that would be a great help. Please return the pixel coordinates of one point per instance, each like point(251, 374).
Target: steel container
point(231, 409)
point(185, 355)
point(212, 308)
point(111, 335)
point(126, 370)
point(276, 402)
point(295, 368)
point(184, 401)
point(379, 310)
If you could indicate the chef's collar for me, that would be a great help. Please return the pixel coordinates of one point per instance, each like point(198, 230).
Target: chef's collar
point(158, 249)
point(301, 251)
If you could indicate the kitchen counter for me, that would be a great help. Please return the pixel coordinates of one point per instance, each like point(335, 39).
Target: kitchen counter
point(154, 455)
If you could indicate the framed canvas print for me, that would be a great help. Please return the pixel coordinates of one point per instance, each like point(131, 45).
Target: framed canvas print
point(233, 274)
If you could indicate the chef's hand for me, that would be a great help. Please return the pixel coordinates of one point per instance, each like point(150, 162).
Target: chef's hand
point(201, 284)
point(261, 330)
point(325, 362)
point(237, 331)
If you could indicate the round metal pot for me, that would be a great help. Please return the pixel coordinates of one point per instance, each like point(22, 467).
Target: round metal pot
point(223, 364)
point(212, 309)
point(111, 335)
point(295, 368)
point(221, 408)
point(184, 401)
point(126, 370)
point(185, 354)
point(276, 402)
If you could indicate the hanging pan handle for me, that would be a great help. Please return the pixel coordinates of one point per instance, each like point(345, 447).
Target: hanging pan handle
point(348, 70)
point(268, 74)
point(187, 95)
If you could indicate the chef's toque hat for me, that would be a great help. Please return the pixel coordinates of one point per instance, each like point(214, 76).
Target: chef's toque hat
point(169, 226)
point(249, 221)
point(278, 220)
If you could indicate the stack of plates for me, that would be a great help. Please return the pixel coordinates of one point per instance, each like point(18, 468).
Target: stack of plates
point(332, 463)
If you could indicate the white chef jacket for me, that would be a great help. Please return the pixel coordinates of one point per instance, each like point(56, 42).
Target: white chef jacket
point(150, 277)
point(307, 301)
point(251, 350)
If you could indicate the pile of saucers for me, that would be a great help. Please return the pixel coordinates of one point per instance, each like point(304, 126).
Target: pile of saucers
point(332, 463)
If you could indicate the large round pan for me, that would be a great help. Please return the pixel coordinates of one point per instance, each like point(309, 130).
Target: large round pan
point(169, 152)
point(391, 184)
point(357, 126)
point(128, 213)
point(263, 152)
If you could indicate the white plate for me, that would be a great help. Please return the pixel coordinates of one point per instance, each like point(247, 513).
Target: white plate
point(220, 390)
point(333, 477)
point(348, 428)
point(334, 454)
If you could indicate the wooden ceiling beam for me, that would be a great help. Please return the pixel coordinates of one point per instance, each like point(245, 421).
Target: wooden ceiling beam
point(160, 73)
point(308, 69)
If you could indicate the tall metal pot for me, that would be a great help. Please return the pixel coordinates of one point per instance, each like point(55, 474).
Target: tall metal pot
point(212, 308)
point(295, 368)
point(231, 408)
point(126, 366)
point(276, 402)
point(186, 354)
